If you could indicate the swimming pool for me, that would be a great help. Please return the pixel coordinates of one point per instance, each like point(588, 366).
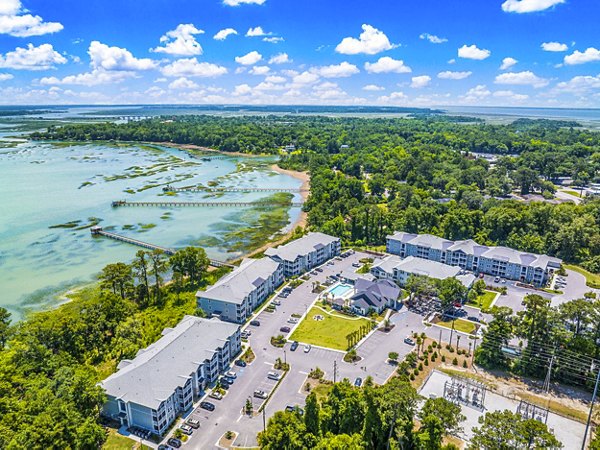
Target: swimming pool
point(340, 289)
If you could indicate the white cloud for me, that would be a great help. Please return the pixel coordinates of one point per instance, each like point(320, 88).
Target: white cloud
point(242, 89)
point(373, 88)
point(452, 61)
point(93, 78)
point(341, 70)
point(477, 93)
point(260, 70)
point(590, 55)
point(554, 47)
point(243, 2)
point(433, 38)
point(269, 86)
point(183, 83)
point(192, 68)
point(507, 63)
point(257, 32)
point(14, 21)
point(449, 75)
point(116, 58)
point(527, 6)
point(385, 64)
point(273, 39)
point(181, 41)
point(370, 42)
point(473, 52)
point(420, 81)
point(394, 97)
point(305, 78)
point(526, 78)
point(280, 58)
point(32, 58)
point(275, 79)
point(6, 76)
point(579, 85)
point(222, 34)
point(510, 95)
point(248, 59)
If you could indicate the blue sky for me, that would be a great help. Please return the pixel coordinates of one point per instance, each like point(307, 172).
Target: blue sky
point(386, 52)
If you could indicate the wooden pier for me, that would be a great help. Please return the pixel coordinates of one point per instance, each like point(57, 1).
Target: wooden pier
point(259, 204)
point(219, 190)
point(98, 231)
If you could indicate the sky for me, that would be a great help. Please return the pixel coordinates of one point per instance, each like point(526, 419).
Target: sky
point(543, 53)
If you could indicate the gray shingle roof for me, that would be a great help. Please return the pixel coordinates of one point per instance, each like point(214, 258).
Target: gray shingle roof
point(237, 285)
point(374, 293)
point(302, 246)
point(156, 371)
point(427, 268)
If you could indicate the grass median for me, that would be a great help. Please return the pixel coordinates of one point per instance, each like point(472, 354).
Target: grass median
point(329, 332)
point(484, 301)
point(462, 325)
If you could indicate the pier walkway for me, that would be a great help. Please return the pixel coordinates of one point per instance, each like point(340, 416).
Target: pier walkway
point(264, 204)
point(218, 190)
point(98, 231)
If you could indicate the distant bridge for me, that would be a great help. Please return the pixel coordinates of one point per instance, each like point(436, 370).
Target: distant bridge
point(217, 190)
point(98, 231)
point(264, 204)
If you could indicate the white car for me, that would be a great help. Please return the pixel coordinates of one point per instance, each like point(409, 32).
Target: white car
point(260, 394)
point(272, 375)
point(231, 374)
point(292, 320)
point(216, 395)
point(307, 348)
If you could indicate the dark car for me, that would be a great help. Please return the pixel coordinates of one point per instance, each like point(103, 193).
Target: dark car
point(228, 380)
point(255, 323)
point(240, 363)
point(225, 385)
point(358, 382)
point(225, 381)
point(473, 319)
point(174, 442)
point(294, 408)
point(285, 329)
point(294, 346)
point(207, 406)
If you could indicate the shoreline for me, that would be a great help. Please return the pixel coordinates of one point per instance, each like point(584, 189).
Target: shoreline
point(207, 149)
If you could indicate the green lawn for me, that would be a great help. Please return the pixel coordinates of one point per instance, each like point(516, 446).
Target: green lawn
point(592, 279)
point(330, 332)
point(117, 442)
point(571, 192)
point(484, 301)
point(459, 324)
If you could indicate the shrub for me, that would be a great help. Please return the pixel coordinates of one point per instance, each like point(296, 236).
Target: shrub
point(455, 362)
point(412, 377)
point(228, 434)
point(434, 344)
point(426, 362)
point(416, 372)
point(316, 373)
point(435, 355)
point(465, 363)
point(420, 366)
point(443, 358)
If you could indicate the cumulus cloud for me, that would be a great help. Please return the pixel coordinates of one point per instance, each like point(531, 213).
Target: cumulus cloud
point(385, 64)
point(275, 79)
point(473, 52)
point(183, 83)
point(433, 38)
point(257, 32)
point(420, 81)
point(280, 58)
point(42, 57)
point(273, 39)
point(527, 6)
point(510, 95)
point(477, 93)
point(181, 41)
point(242, 89)
point(449, 75)
point(93, 78)
point(15, 21)
point(394, 97)
point(525, 78)
point(507, 63)
point(341, 70)
point(590, 55)
point(554, 47)
point(243, 2)
point(370, 42)
point(224, 33)
point(190, 67)
point(116, 58)
point(579, 85)
point(249, 58)
point(373, 88)
point(305, 78)
point(6, 76)
point(260, 70)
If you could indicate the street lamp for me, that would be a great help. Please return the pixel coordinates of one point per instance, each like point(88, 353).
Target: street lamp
point(284, 357)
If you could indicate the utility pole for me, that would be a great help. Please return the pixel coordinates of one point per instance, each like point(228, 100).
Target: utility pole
point(474, 347)
point(392, 428)
point(589, 419)
point(548, 375)
point(334, 370)
point(264, 420)
point(452, 331)
point(440, 339)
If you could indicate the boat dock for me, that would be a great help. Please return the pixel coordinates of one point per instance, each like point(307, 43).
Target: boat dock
point(119, 203)
point(98, 231)
point(219, 190)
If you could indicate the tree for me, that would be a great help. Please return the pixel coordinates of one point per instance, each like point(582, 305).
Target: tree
point(449, 413)
point(505, 430)
point(117, 277)
point(499, 332)
point(4, 326)
point(191, 263)
point(158, 266)
point(285, 430)
point(341, 442)
point(140, 268)
point(311, 414)
point(451, 291)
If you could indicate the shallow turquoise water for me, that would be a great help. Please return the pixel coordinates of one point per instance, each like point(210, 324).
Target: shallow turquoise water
point(43, 185)
point(340, 290)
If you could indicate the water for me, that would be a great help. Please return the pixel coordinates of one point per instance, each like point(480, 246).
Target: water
point(42, 185)
point(340, 290)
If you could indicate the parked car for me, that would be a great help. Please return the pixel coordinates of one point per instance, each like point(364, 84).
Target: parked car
point(292, 320)
point(294, 408)
point(216, 395)
point(473, 319)
point(260, 394)
point(358, 382)
point(255, 323)
point(207, 406)
point(318, 269)
point(174, 442)
point(186, 429)
point(481, 275)
point(240, 363)
point(225, 386)
point(231, 374)
point(497, 280)
point(355, 264)
point(194, 423)
point(285, 329)
point(330, 263)
point(272, 375)
point(294, 346)
point(228, 380)
point(276, 303)
point(409, 341)
point(307, 348)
